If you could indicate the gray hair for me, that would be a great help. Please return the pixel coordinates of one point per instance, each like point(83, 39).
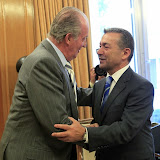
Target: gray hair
point(126, 40)
point(68, 20)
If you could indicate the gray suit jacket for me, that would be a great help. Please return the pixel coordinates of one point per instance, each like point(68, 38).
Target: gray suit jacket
point(43, 96)
point(125, 127)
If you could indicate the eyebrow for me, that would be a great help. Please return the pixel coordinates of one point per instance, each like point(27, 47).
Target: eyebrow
point(103, 44)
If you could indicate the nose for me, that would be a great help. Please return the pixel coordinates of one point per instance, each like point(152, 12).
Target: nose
point(98, 51)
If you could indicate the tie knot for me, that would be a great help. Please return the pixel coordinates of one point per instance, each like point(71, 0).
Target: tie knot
point(72, 78)
point(106, 91)
point(109, 80)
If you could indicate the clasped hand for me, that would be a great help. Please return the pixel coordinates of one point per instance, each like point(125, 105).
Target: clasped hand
point(73, 132)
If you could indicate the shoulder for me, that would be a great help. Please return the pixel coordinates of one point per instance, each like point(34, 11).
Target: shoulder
point(140, 79)
point(41, 61)
point(135, 81)
point(130, 75)
point(44, 54)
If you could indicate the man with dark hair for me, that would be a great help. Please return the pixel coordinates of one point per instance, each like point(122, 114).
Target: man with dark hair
point(44, 95)
point(19, 63)
point(122, 105)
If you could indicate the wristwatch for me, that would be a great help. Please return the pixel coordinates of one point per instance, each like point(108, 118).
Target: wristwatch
point(85, 135)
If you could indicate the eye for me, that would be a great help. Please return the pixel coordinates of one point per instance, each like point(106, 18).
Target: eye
point(106, 46)
point(84, 39)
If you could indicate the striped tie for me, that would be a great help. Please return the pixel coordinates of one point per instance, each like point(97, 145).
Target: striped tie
point(72, 78)
point(106, 91)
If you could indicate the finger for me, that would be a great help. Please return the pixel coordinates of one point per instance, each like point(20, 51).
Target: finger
point(59, 134)
point(91, 125)
point(96, 125)
point(91, 69)
point(75, 122)
point(72, 119)
point(62, 126)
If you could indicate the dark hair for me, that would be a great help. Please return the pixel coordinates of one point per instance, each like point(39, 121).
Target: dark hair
point(19, 63)
point(126, 40)
point(68, 20)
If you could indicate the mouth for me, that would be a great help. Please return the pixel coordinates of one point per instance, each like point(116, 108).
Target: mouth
point(101, 59)
point(79, 50)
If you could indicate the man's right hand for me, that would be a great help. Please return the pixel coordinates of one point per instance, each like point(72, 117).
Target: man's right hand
point(93, 125)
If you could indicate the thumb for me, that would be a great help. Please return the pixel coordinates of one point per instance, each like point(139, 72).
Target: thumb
point(72, 119)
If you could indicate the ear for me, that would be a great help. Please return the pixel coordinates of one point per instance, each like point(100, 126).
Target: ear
point(126, 53)
point(68, 38)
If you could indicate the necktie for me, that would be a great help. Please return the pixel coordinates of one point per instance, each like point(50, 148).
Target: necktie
point(72, 78)
point(106, 91)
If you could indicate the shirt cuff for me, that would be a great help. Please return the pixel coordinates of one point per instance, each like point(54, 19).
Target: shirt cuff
point(86, 141)
point(91, 84)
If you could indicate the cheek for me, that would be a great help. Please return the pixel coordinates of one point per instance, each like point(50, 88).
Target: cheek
point(111, 57)
point(79, 43)
point(74, 50)
point(108, 56)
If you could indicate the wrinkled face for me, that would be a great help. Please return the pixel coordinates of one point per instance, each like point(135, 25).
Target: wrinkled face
point(110, 54)
point(78, 43)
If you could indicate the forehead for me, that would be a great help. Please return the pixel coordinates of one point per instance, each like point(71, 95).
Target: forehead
point(110, 38)
point(84, 29)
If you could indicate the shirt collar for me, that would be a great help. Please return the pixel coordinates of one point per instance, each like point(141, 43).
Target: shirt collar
point(119, 73)
point(59, 53)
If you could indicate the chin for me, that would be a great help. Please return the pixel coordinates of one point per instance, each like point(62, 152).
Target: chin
point(102, 66)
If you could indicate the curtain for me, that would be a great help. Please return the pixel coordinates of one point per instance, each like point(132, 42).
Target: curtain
point(45, 11)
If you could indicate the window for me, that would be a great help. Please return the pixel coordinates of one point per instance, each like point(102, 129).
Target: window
point(140, 19)
point(106, 14)
point(151, 10)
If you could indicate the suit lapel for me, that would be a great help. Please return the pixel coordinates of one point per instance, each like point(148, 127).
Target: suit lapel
point(71, 95)
point(118, 88)
point(49, 47)
point(98, 92)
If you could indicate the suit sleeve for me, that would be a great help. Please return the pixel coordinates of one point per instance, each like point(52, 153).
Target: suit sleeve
point(84, 96)
point(46, 94)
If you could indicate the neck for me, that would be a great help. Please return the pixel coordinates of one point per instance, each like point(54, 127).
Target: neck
point(111, 72)
point(61, 46)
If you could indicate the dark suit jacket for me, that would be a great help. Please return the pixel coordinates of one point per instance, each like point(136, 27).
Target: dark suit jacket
point(125, 127)
point(43, 96)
